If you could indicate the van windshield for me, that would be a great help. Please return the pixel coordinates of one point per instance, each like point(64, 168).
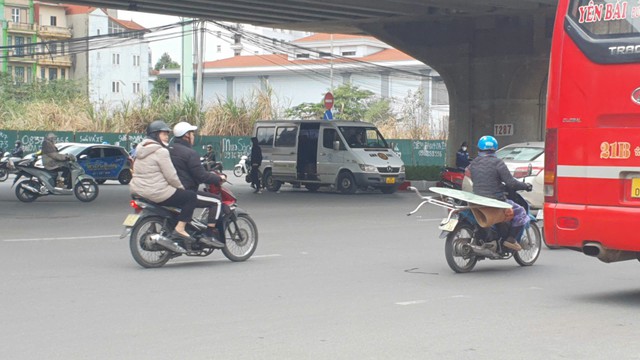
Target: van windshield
point(363, 137)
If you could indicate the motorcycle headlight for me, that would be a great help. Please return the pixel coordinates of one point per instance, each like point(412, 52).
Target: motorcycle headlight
point(368, 168)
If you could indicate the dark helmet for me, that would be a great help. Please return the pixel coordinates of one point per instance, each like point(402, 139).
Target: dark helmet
point(157, 126)
point(18, 142)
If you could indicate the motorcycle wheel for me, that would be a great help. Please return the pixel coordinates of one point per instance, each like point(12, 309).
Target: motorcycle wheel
point(25, 195)
point(462, 234)
point(144, 251)
point(241, 238)
point(531, 243)
point(237, 171)
point(4, 175)
point(86, 190)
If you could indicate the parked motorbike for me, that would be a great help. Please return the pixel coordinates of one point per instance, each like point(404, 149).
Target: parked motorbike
point(241, 167)
point(451, 178)
point(150, 227)
point(7, 166)
point(42, 182)
point(467, 242)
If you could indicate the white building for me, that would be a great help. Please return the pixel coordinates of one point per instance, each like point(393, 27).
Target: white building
point(114, 60)
point(308, 72)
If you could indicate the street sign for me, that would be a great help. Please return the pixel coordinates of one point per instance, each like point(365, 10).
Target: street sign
point(328, 115)
point(328, 100)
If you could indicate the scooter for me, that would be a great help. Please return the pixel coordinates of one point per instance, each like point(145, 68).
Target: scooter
point(467, 242)
point(241, 167)
point(7, 166)
point(451, 178)
point(42, 182)
point(150, 227)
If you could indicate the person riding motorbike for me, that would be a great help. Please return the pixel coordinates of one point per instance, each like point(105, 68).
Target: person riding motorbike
point(191, 173)
point(52, 160)
point(155, 179)
point(18, 151)
point(490, 175)
point(209, 158)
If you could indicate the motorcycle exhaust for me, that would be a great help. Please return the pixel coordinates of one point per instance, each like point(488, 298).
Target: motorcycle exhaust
point(469, 249)
point(32, 189)
point(167, 243)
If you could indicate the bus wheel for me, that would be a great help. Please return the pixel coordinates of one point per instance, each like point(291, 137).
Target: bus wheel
point(269, 182)
point(346, 183)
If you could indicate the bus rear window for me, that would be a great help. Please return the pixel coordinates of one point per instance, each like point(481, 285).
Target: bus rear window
point(606, 18)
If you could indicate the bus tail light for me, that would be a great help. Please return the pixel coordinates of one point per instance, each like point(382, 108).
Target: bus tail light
point(551, 166)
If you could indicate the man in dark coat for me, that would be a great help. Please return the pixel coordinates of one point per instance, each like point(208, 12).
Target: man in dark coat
point(256, 161)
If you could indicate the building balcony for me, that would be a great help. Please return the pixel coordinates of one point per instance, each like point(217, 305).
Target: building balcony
point(21, 28)
point(56, 60)
point(56, 32)
point(19, 58)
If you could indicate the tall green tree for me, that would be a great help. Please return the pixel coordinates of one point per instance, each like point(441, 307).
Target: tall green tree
point(165, 62)
point(160, 91)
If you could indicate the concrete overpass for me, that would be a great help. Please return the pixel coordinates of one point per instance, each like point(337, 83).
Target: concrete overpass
point(492, 54)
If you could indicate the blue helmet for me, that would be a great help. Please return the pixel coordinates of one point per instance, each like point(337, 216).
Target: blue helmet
point(488, 142)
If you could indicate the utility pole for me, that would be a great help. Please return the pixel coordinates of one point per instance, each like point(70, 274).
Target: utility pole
point(331, 62)
point(186, 70)
point(200, 60)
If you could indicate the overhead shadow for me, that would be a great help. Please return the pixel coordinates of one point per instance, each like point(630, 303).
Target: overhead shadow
point(629, 298)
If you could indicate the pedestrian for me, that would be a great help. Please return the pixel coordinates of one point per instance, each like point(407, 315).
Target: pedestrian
point(462, 157)
point(256, 162)
point(132, 152)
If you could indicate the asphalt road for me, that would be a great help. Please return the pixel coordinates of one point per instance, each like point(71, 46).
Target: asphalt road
point(334, 277)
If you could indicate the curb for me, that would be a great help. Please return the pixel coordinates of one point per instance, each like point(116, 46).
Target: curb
point(421, 185)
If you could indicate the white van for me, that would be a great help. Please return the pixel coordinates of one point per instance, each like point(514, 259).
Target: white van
point(347, 155)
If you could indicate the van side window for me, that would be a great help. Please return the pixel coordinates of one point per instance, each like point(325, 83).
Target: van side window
point(328, 137)
point(286, 136)
point(265, 136)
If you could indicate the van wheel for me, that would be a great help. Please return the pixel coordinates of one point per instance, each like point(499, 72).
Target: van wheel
point(269, 182)
point(346, 183)
point(125, 177)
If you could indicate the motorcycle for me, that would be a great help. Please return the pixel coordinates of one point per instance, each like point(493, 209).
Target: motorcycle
point(467, 242)
point(42, 182)
point(7, 166)
point(451, 178)
point(211, 165)
point(150, 227)
point(241, 167)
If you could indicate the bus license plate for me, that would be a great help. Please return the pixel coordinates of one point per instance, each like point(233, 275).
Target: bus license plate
point(390, 180)
point(635, 188)
point(448, 226)
point(131, 220)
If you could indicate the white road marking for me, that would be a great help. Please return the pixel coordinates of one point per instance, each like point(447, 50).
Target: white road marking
point(414, 302)
point(64, 238)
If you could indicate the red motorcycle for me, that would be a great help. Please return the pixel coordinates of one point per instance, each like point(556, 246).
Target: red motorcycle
point(151, 225)
point(451, 178)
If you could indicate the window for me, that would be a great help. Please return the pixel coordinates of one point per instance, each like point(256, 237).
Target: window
point(43, 73)
point(328, 137)
point(112, 152)
point(15, 15)
point(98, 32)
point(115, 59)
point(19, 78)
point(115, 86)
point(136, 60)
point(53, 74)
point(286, 136)
point(19, 49)
point(265, 136)
point(114, 28)
point(63, 74)
point(219, 48)
point(302, 56)
point(54, 21)
point(28, 47)
point(93, 153)
point(348, 53)
point(219, 33)
point(136, 88)
point(53, 48)
point(10, 70)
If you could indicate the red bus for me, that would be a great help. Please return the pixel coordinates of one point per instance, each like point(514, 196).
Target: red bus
point(592, 155)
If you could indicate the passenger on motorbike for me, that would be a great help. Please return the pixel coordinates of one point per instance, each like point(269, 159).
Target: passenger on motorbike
point(52, 160)
point(192, 174)
point(155, 178)
point(490, 175)
point(18, 151)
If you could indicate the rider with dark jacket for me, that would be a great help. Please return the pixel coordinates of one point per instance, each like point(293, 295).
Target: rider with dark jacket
point(490, 175)
point(18, 151)
point(53, 160)
point(192, 174)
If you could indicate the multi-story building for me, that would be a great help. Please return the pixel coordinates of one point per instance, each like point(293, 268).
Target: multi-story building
point(53, 59)
point(19, 33)
point(110, 55)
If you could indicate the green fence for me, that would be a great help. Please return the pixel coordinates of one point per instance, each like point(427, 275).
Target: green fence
point(228, 149)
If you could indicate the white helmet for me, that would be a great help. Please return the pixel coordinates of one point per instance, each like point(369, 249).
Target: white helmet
point(182, 128)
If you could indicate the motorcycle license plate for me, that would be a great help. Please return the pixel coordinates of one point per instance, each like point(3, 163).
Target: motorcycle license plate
point(131, 220)
point(390, 180)
point(448, 226)
point(635, 188)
